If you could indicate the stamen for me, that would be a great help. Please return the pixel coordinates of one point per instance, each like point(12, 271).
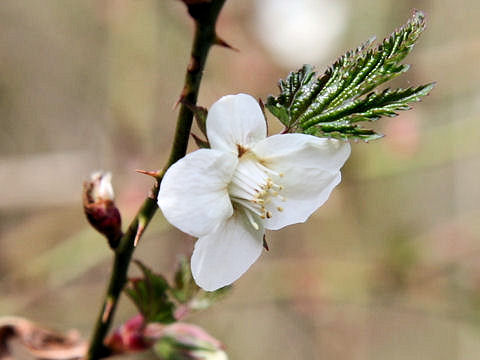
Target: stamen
point(269, 171)
point(251, 220)
point(248, 170)
point(241, 192)
point(246, 182)
point(252, 186)
point(249, 206)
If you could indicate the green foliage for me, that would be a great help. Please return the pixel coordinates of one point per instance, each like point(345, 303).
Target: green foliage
point(184, 286)
point(150, 296)
point(157, 300)
point(186, 291)
point(202, 144)
point(331, 105)
point(169, 348)
point(200, 114)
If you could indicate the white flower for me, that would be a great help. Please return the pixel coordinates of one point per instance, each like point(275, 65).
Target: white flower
point(228, 195)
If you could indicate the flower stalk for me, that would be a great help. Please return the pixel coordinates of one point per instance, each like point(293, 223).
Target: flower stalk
point(205, 15)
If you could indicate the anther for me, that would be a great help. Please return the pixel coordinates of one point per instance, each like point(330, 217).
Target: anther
point(253, 188)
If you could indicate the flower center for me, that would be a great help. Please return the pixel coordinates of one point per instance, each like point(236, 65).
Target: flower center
point(253, 187)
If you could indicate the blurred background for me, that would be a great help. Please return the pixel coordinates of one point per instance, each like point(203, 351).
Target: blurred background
point(388, 269)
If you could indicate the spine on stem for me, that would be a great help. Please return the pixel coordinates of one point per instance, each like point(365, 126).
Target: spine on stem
point(205, 15)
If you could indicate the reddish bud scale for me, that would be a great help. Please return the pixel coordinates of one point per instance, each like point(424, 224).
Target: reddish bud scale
point(106, 219)
point(100, 209)
point(129, 337)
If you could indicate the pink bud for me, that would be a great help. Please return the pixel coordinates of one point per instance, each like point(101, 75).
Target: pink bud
point(129, 337)
point(185, 341)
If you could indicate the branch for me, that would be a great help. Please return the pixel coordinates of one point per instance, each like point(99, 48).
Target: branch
point(205, 15)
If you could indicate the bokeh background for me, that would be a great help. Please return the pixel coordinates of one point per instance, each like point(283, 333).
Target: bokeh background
point(388, 269)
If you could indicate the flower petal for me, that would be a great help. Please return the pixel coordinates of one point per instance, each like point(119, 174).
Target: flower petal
point(193, 194)
point(330, 154)
point(223, 256)
point(310, 170)
point(235, 120)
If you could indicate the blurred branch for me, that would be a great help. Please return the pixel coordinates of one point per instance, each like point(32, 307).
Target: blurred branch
point(205, 15)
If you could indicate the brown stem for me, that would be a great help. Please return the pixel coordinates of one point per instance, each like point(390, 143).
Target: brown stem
point(205, 15)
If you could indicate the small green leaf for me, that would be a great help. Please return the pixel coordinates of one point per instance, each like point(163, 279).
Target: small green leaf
point(200, 114)
point(202, 144)
point(184, 288)
point(330, 105)
point(205, 299)
point(150, 296)
point(186, 291)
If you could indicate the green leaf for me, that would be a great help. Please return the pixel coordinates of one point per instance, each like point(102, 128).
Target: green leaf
point(186, 291)
point(332, 104)
point(205, 299)
point(184, 288)
point(150, 296)
point(200, 114)
point(202, 144)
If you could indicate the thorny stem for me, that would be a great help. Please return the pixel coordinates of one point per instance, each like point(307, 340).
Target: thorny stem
point(205, 15)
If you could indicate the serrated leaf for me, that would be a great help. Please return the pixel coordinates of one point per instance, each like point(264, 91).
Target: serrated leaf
point(150, 296)
point(329, 105)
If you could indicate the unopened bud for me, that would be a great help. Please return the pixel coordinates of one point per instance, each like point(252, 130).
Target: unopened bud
point(186, 341)
point(129, 337)
point(100, 209)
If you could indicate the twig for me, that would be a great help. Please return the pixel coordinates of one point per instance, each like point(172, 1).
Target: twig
point(205, 15)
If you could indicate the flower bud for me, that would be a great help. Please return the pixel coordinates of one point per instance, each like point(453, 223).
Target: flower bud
point(186, 341)
point(100, 209)
point(129, 337)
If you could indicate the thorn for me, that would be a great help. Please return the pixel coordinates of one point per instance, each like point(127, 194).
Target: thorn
point(181, 99)
point(265, 245)
point(198, 111)
point(140, 230)
point(154, 174)
point(107, 310)
point(188, 104)
point(220, 42)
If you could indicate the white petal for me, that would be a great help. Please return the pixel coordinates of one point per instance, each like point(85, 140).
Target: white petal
point(330, 154)
point(223, 256)
point(193, 193)
point(235, 120)
point(310, 169)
